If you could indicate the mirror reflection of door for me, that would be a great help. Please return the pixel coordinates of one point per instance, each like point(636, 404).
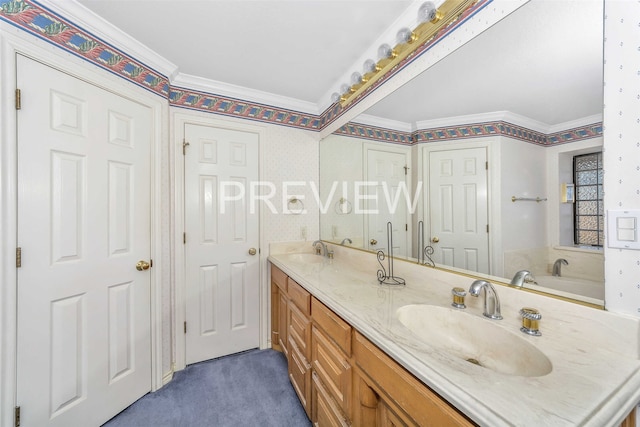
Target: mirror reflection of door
point(387, 168)
point(458, 208)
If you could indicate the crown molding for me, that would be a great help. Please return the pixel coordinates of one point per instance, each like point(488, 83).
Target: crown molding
point(588, 120)
point(243, 93)
point(494, 116)
point(97, 26)
point(397, 125)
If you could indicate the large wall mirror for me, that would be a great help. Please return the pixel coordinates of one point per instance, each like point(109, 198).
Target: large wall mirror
point(504, 137)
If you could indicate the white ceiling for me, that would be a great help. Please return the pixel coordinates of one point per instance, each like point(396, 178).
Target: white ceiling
point(292, 48)
point(544, 61)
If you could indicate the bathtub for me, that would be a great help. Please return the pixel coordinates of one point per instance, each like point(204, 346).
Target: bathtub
point(571, 285)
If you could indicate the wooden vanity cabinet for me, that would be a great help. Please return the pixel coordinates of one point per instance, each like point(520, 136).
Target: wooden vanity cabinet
point(341, 378)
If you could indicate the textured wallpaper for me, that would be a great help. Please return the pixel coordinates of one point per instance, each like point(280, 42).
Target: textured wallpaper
point(622, 145)
point(291, 156)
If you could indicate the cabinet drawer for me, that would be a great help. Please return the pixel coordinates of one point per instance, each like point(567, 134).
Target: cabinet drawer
point(332, 368)
point(418, 401)
point(300, 376)
point(325, 412)
point(300, 330)
point(299, 296)
point(335, 328)
point(279, 278)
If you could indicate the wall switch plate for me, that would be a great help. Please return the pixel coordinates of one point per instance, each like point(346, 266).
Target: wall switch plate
point(622, 229)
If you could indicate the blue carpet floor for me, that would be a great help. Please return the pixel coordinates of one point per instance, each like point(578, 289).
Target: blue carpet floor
point(246, 389)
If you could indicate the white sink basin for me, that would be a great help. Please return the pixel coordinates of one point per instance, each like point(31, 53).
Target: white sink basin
point(305, 258)
point(474, 339)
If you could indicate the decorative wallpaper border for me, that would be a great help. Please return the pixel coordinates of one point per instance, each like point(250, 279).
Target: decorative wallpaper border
point(576, 134)
point(43, 23)
point(357, 130)
point(476, 130)
point(196, 100)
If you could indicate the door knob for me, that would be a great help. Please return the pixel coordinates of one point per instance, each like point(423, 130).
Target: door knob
point(142, 265)
point(252, 251)
point(373, 241)
point(435, 240)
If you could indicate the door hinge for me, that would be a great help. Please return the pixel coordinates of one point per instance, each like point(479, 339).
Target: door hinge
point(486, 165)
point(184, 238)
point(16, 417)
point(185, 144)
point(185, 327)
point(487, 228)
point(406, 168)
point(18, 257)
point(18, 99)
point(406, 227)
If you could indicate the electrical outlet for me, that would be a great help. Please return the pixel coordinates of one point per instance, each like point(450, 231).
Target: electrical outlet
point(303, 232)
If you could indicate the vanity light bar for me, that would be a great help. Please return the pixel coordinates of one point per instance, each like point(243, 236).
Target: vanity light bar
point(446, 15)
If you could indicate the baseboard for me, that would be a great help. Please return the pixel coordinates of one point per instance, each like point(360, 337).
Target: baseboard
point(167, 378)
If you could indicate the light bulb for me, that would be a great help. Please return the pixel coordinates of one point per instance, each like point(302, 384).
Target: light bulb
point(335, 97)
point(370, 66)
point(356, 78)
point(427, 12)
point(344, 88)
point(385, 51)
point(405, 35)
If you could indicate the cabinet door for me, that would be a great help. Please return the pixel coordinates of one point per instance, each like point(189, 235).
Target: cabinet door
point(332, 369)
point(275, 317)
point(300, 376)
point(388, 418)
point(324, 411)
point(283, 323)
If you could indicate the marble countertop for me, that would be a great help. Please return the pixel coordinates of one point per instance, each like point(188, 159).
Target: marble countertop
point(595, 376)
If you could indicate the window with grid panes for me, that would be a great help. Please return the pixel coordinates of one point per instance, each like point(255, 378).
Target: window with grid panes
point(588, 208)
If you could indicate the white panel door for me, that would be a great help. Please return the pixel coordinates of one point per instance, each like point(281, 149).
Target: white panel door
point(222, 276)
point(84, 343)
point(458, 213)
point(387, 169)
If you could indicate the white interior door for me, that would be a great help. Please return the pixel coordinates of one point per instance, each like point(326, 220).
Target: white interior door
point(458, 212)
point(387, 169)
point(222, 267)
point(84, 342)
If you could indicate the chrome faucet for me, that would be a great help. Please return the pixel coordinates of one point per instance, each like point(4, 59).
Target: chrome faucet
point(346, 239)
point(320, 250)
point(491, 300)
point(557, 266)
point(522, 277)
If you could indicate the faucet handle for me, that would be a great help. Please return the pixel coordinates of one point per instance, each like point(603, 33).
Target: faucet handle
point(530, 321)
point(458, 297)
